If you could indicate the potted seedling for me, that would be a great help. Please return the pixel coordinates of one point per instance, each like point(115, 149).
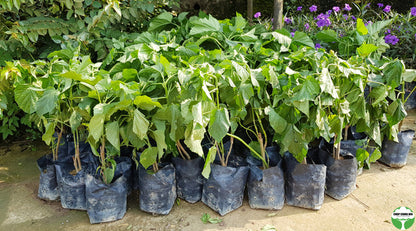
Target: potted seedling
point(395, 150)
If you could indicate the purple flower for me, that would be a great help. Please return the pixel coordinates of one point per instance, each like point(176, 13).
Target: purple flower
point(387, 8)
point(329, 12)
point(299, 8)
point(323, 20)
point(369, 22)
point(292, 34)
point(345, 17)
point(368, 5)
point(288, 21)
point(257, 15)
point(388, 31)
point(353, 17)
point(380, 5)
point(415, 36)
point(336, 8)
point(391, 39)
point(347, 7)
point(413, 11)
point(317, 46)
point(313, 8)
point(307, 26)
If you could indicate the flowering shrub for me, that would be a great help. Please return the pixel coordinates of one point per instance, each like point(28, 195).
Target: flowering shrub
point(397, 39)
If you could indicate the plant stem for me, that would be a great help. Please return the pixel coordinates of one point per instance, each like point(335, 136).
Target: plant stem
point(346, 132)
point(55, 156)
point(304, 161)
point(155, 167)
point(102, 152)
point(183, 151)
point(229, 150)
point(251, 149)
point(219, 154)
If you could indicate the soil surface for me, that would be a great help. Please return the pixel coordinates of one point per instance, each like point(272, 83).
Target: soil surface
point(380, 190)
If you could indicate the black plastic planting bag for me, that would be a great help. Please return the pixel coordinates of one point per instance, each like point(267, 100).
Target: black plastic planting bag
point(341, 175)
point(71, 187)
point(157, 192)
point(105, 202)
point(224, 190)
point(266, 188)
point(395, 154)
point(48, 186)
point(189, 180)
point(305, 183)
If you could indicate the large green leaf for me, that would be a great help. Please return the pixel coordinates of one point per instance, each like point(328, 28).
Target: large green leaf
point(303, 38)
point(309, 90)
point(112, 133)
point(378, 94)
point(140, 124)
point(396, 112)
point(160, 21)
point(204, 25)
point(409, 75)
point(327, 36)
point(159, 136)
point(326, 83)
point(75, 76)
point(277, 122)
point(146, 103)
point(393, 73)
point(75, 120)
point(148, 157)
point(361, 27)
point(96, 126)
point(194, 138)
point(26, 97)
point(219, 124)
point(47, 102)
point(294, 142)
point(358, 108)
point(366, 49)
point(49, 131)
point(209, 159)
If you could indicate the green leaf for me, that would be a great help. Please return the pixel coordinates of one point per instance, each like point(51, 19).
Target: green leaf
point(242, 73)
point(396, 112)
point(409, 75)
point(375, 155)
point(393, 73)
point(239, 23)
point(204, 25)
point(148, 157)
point(49, 131)
point(162, 20)
point(159, 136)
point(294, 142)
point(26, 98)
point(108, 172)
point(209, 159)
point(206, 218)
point(358, 107)
point(309, 90)
point(47, 102)
point(140, 124)
point(129, 74)
point(146, 103)
point(303, 38)
point(361, 27)
point(96, 126)
point(112, 133)
point(75, 76)
point(277, 122)
point(302, 106)
point(361, 154)
point(378, 94)
point(366, 49)
point(327, 36)
point(375, 133)
point(326, 83)
point(75, 120)
point(219, 124)
point(375, 28)
point(194, 139)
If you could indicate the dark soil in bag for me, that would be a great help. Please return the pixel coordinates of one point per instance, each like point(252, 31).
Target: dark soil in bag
point(189, 180)
point(305, 183)
point(341, 175)
point(157, 191)
point(71, 187)
point(266, 187)
point(395, 154)
point(48, 186)
point(105, 202)
point(224, 190)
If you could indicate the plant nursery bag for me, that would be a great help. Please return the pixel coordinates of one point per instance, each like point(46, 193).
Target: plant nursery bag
point(189, 180)
point(48, 186)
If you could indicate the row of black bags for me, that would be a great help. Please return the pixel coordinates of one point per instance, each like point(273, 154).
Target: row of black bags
point(301, 185)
